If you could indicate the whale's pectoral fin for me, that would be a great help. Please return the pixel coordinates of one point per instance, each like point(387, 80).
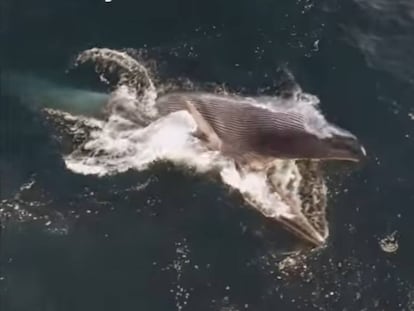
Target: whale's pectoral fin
point(199, 134)
point(249, 160)
point(204, 130)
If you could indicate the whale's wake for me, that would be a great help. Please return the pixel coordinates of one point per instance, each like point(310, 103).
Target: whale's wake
point(133, 137)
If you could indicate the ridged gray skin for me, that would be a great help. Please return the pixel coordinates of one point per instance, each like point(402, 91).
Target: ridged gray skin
point(249, 131)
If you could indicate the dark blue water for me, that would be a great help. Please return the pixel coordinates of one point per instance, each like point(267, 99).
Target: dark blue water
point(109, 246)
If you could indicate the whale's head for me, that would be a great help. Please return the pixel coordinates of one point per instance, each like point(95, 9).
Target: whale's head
point(343, 145)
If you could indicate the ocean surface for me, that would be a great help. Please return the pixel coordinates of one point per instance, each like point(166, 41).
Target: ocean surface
point(163, 239)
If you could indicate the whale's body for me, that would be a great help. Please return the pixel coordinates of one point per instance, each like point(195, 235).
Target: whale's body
point(249, 132)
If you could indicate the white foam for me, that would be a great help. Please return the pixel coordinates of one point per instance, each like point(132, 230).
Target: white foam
point(114, 149)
